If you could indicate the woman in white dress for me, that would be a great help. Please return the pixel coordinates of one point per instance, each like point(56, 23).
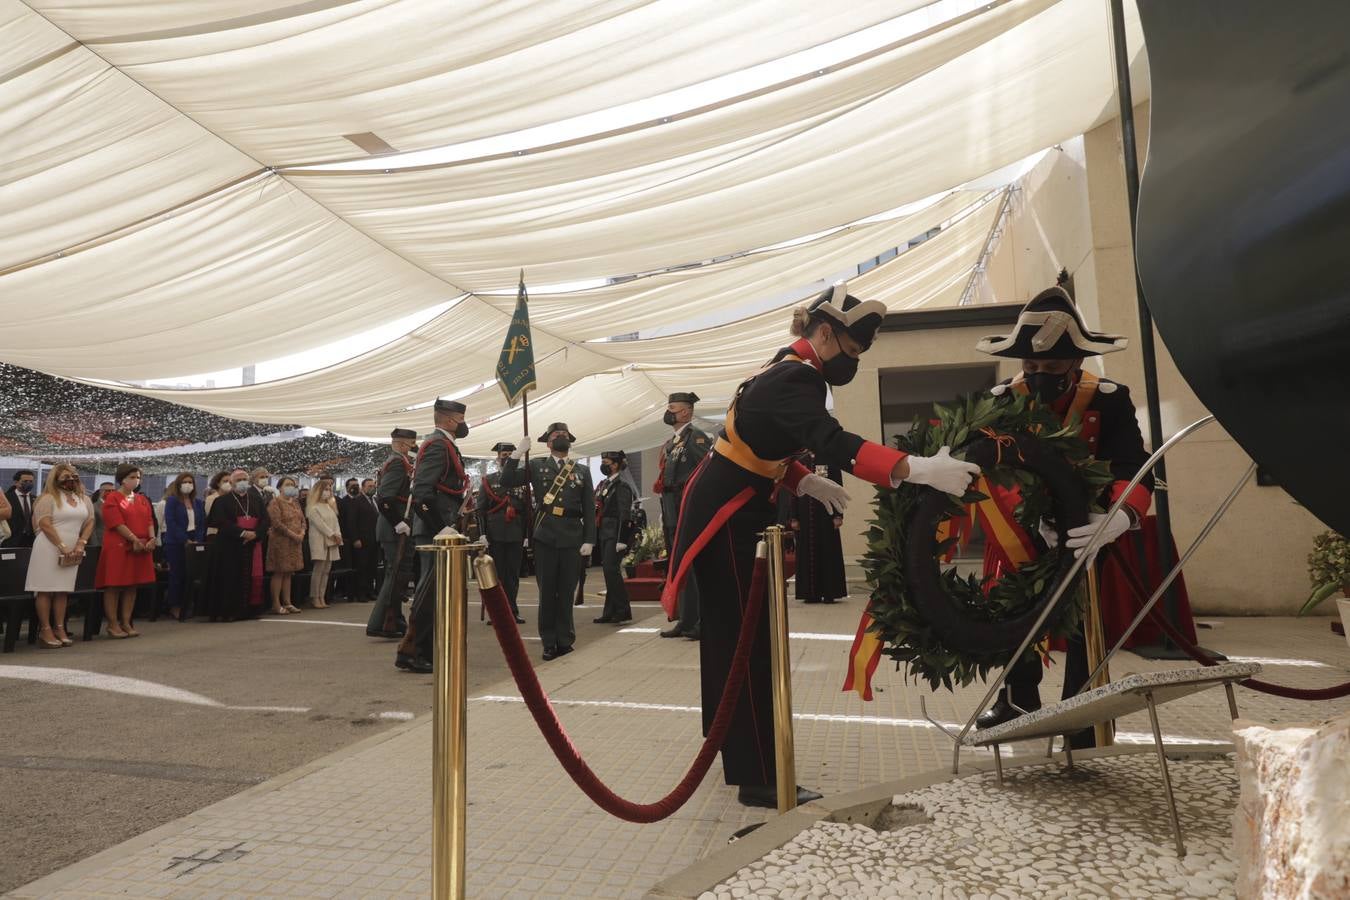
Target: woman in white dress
point(63, 518)
point(325, 539)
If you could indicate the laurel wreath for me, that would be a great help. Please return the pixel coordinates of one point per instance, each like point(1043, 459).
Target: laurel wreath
point(907, 635)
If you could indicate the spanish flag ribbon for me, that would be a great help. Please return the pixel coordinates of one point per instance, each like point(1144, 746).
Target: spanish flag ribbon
point(1008, 542)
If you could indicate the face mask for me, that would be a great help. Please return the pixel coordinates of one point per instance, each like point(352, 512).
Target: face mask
point(560, 444)
point(501, 460)
point(839, 369)
point(25, 487)
point(1048, 387)
point(289, 491)
point(669, 417)
point(70, 484)
point(241, 487)
point(187, 487)
point(369, 492)
point(606, 469)
point(261, 482)
point(461, 430)
point(353, 490)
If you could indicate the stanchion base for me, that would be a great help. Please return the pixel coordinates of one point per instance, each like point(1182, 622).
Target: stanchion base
point(1168, 650)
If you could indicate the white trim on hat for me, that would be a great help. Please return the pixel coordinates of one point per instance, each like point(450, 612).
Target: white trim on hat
point(1050, 326)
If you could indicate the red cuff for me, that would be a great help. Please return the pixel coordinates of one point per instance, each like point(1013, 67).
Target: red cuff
point(658, 487)
point(1139, 499)
point(794, 474)
point(875, 463)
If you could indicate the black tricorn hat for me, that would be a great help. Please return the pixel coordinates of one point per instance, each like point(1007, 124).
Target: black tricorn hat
point(614, 454)
point(860, 318)
point(451, 406)
point(503, 447)
point(407, 433)
point(1051, 327)
point(683, 397)
point(557, 426)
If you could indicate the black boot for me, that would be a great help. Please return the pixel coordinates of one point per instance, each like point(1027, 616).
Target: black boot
point(1005, 708)
point(766, 795)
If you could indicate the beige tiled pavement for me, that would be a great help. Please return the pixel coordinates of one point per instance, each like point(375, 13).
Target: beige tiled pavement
point(357, 823)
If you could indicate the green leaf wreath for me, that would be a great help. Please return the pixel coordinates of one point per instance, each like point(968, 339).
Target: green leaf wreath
point(905, 635)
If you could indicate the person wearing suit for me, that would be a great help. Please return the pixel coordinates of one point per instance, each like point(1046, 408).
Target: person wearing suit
point(392, 531)
point(21, 496)
point(325, 539)
point(614, 500)
point(439, 486)
point(564, 531)
point(501, 519)
point(680, 456)
point(362, 516)
point(184, 525)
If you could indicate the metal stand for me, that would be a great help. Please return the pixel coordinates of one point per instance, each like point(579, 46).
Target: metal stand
point(1166, 776)
point(1095, 638)
point(449, 718)
point(784, 749)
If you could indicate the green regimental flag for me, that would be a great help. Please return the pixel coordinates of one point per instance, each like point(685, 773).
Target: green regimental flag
point(515, 367)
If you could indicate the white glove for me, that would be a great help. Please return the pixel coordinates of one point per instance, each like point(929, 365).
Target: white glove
point(448, 531)
point(1049, 534)
point(1080, 536)
point(951, 476)
point(519, 453)
point(402, 528)
point(525, 543)
point(831, 494)
point(619, 548)
point(586, 549)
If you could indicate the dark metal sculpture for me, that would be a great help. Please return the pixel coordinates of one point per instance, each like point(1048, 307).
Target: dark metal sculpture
point(1244, 227)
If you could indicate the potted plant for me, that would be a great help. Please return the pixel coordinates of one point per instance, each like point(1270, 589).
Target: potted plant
point(1329, 572)
point(650, 544)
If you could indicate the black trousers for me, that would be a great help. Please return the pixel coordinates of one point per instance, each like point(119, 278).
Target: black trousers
point(423, 614)
point(1025, 677)
point(365, 563)
point(617, 606)
point(507, 556)
point(690, 606)
point(557, 571)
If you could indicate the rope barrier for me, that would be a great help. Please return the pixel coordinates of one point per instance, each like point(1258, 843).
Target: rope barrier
point(513, 648)
point(1196, 653)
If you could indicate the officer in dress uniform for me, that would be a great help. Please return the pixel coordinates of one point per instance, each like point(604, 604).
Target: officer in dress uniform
point(439, 485)
point(564, 531)
point(501, 519)
point(728, 503)
point(614, 500)
point(392, 531)
point(1052, 340)
point(680, 456)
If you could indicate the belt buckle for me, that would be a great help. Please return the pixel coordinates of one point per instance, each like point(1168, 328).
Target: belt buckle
point(557, 510)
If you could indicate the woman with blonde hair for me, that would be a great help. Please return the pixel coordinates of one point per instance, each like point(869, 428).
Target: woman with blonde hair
point(286, 532)
point(63, 518)
point(325, 539)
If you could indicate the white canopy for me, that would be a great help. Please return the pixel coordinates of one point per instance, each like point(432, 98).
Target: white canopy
point(166, 175)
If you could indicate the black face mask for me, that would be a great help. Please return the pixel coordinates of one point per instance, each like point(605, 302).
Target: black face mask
point(560, 444)
point(1048, 387)
point(669, 417)
point(461, 430)
point(606, 469)
point(839, 369)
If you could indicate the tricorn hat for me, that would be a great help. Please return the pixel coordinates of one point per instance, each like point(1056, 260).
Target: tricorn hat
point(557, 426)
point(614, 454)
point(1051, 327)
point(683, 397)
point(860, 318)
point(503, 447)
point(407, 433)
point(450, 406)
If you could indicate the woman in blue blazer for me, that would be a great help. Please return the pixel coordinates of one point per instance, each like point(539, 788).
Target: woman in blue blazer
point(184, 523)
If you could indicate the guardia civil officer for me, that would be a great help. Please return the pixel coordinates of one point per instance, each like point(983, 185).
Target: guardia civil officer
point(392, 531)
point(614, 500)
point(774, 416)
point(501, 519)
point(564, 530)
point(1051, 339)
point(438, 488)
point(680, 456)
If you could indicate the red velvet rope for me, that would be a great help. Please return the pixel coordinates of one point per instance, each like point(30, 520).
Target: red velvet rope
point(1141, 597)
point(513, 648)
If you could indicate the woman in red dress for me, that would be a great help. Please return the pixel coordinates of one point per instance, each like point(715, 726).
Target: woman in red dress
point(127, 559)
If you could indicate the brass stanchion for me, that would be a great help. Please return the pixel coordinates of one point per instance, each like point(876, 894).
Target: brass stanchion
point(785, 755)
point(1095, 636)
point(449, 718)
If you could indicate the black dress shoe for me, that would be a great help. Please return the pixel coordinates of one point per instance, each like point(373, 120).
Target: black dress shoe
point(562, 651)
point(1084, 739)
point(603, 620)
point(673, 632)
point(520, 620)
point(694, 635)
point(1003, 711)
point(550, 653)
point(767, 795)
point(413, 664)
point(622, 620)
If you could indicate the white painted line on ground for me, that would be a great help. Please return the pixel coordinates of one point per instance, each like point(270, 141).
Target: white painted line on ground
point(638, 630)
point(795, 635)
point(288, 620)
point(1130, 737)
point(396, 715)
point(132, 687)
